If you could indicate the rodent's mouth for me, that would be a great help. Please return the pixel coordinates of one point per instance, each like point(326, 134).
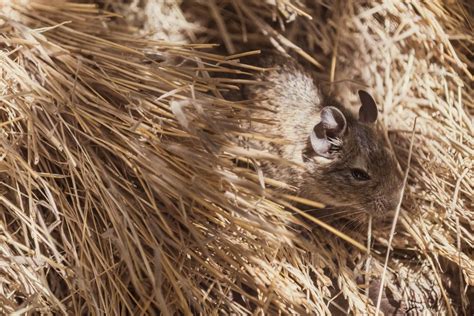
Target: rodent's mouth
point(358, 212)
point(376, 208)
point(344, 211)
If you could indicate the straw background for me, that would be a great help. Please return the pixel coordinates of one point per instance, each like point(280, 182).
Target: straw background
point(119, 191)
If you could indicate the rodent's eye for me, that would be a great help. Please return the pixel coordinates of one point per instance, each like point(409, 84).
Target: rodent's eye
point(360, 175)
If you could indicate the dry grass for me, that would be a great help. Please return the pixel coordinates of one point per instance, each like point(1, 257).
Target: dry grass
point(118, 191)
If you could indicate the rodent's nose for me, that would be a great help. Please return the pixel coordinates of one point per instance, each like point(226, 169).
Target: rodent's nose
point(392, 205)
point(393, 200)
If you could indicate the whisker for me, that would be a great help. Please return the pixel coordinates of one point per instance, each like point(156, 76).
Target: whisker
point(348, 223)
point(338, 216)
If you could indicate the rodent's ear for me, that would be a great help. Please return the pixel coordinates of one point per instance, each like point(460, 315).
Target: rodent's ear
point(368, 111)
point(325, 134)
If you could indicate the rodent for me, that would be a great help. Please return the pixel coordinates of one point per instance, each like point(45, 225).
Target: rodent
point(348, 164)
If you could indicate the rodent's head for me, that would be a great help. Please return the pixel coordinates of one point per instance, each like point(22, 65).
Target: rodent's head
point(350, 162)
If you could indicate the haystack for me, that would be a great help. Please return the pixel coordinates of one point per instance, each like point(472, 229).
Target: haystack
point(121, 191)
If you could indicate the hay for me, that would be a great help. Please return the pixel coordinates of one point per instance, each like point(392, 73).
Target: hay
point(118, 189)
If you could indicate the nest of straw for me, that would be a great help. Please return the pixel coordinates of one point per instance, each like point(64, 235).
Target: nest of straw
point(119, 188)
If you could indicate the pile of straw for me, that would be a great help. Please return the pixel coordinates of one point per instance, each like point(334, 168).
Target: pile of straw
point(120, 191)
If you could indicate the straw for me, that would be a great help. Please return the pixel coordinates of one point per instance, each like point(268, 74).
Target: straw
point(127, 185)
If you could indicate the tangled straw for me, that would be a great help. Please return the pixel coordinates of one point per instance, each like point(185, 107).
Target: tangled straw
point(119, 188)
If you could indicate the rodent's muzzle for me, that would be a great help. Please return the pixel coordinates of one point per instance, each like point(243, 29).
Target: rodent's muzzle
point(387, 204)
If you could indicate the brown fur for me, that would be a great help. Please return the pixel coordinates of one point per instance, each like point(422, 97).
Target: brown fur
point(293, 103)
